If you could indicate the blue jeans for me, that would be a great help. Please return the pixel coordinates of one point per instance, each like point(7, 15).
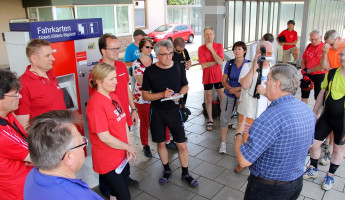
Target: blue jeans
point(259, 190)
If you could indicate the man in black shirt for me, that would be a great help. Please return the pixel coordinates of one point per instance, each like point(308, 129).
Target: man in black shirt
point(161, 80)
point(180, 53)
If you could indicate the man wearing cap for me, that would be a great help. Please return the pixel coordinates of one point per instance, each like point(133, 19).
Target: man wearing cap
point(289, 45)
point(132, 53)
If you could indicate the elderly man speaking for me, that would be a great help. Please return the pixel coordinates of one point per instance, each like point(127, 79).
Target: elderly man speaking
point(278, 141)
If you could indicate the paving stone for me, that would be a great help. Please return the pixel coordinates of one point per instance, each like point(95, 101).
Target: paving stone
point(210, 156)
point(197, 128)
point(194, 149)
point(229, 194)
point(195, 138)
point(232, 179)
point(334, 195)
point(144, 196)
point(208, 170)
point(312, 190)
point(193, 162)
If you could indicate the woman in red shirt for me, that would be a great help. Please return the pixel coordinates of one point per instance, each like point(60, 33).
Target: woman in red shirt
point(108, 131)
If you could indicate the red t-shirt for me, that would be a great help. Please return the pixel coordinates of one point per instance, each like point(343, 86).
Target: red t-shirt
point(312, 56)
point(121, 88)
point(212, 74)
point(40, 95)
point(103, 116)
point(13, 150)
point(290, 36)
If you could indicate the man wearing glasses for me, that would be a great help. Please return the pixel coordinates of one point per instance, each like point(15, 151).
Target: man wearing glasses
point(331, 119)
point(40, 89)
point(110, 48)
point(331, 49)
point(14, 154)
point(57, 150)
point(310, 64)
point(165, 79)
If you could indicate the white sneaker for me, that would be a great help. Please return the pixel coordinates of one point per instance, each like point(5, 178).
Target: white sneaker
point(222, 148)
point(325, 159)
point(328, 182)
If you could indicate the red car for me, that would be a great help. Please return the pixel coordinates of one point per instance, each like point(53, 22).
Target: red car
point(172, 31)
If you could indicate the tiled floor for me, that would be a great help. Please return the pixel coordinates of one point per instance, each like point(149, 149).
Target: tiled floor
point(213, 170)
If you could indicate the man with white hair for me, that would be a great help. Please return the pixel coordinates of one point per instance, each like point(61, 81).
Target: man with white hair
point(311, 66)
point(330, 51)
point(57, 151)
point(250, 106)
point(278, 143)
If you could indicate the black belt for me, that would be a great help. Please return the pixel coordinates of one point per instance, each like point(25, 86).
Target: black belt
point(269, 182)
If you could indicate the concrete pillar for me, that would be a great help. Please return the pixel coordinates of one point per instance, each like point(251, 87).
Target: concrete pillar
point(213, 14)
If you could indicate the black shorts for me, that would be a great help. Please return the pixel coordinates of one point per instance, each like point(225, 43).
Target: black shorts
point(117, 183)
point(332, 119)
point(160, 118)
point(218, 85)
point(317, 79)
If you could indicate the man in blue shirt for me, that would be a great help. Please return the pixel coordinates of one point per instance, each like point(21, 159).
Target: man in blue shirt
point(279, 140)
point(57, 151)
point(132, 53)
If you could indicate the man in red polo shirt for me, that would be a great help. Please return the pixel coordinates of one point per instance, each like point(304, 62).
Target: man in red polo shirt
point(310, 64)
point(14, 153)
point(40, 89)
point(109, 47)
point(211, 56)
point(289, 46)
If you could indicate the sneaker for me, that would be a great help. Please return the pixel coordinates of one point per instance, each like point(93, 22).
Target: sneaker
point(147, 151)
point(171, 145)
point(310, 172)
point(325, 159)
point(132, 183)
point(327, 184)
point(222, 148)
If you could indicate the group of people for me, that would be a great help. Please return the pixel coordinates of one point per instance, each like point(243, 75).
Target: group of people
point(42, 148)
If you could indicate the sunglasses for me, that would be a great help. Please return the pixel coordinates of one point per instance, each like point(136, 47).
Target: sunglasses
point(148, 47)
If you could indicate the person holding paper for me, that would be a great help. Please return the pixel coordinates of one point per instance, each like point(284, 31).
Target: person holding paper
point(108, 131)
point(165, 79)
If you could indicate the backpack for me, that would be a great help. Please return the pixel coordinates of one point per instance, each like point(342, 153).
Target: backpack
point(330, 77)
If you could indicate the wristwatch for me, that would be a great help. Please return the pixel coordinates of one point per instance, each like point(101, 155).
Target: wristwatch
point(237, 134)
point(308, 71)
point(134, 109)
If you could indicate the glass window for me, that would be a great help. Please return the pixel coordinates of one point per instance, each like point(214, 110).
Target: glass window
point(247, 24)
point(298, 18)
point(177, 15)
point(32, 13)
point(104, 12)
point(170, 15)
point(311, 16)
point(286, 13)
point(265, 19)
point(238, 21)
point(122, 20)
point(231, 23)
point(64, 13)
point(317, 15)
point(323, 12)
point(45, 14)
point(140, 14)
point(275, 19)
point(253, 8)
point(260, 19)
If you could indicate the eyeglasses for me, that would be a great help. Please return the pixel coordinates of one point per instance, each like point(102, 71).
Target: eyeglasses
point(332, 43)
point(117, 106)
point(86, 142)
point(148, 47)
point(341, 55)
point(316, 39)
point(113, 49)
point(166, 54)
point(15, 96)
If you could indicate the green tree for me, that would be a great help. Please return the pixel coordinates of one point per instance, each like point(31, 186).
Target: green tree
point(179, 2)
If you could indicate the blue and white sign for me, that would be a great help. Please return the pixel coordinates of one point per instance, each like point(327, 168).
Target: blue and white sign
point(61, 30)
